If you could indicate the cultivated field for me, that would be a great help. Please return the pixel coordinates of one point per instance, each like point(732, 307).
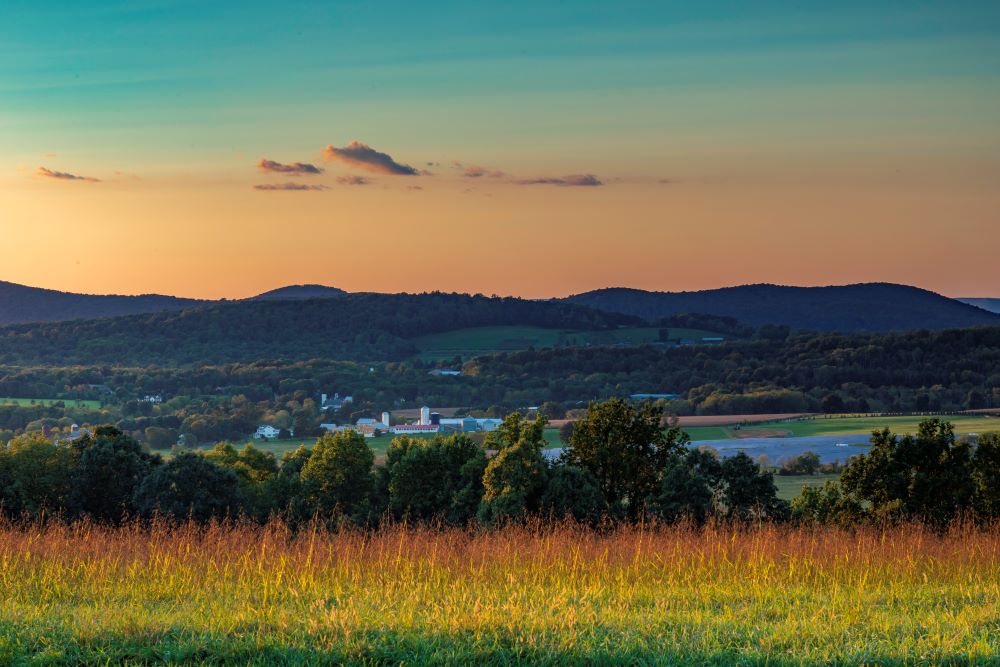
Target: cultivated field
point(69, 402)
point(245, 595)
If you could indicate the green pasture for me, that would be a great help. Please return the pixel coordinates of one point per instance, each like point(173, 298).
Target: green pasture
point(902, 425)
point(45, 402)
point(789, 486)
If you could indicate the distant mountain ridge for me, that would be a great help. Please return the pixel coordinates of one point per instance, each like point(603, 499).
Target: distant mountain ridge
point(23, 304)
point(20, 303)
point(356, 327)
point(300, 292)
point(862, 307)
point(992, 305)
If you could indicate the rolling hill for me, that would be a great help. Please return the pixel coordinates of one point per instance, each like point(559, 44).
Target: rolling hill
point(20, 303)
point(361, 327)
point(300, 292)
point(992, 305)
point(846, 308)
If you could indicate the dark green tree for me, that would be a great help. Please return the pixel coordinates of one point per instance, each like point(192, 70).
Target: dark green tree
point(688, 487)
point(437, 479)
point(626, 449)
point(110, 467)
point(189, 486)
point(926, 477)
point(38, 475)
point(337, 478)
point(748, 492)
point(827, 504)
point(571, 491)
point(515, 478)
point(986, 476)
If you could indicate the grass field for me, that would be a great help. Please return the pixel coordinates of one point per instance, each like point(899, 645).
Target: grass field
point(789, 486)
point(260, 596)
point(70, 402)
point(900, 425)
point(483, 340)
point(814, 426)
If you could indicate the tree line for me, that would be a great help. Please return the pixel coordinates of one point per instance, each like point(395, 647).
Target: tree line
point(624, 463)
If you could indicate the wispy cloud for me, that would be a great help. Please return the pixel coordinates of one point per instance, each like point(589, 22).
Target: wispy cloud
point(475, 171)
point(65, 176)
point(363, 156)
point(288, 186)
point(353, 180)
point(293, 169)
point(586, 180)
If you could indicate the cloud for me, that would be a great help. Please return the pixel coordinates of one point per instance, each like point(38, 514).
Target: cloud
point(65, 176)
point(353, 180)
point(293, 169)
point(571, 180)
point(475, 171)
point(288, 186)
point(362, 156)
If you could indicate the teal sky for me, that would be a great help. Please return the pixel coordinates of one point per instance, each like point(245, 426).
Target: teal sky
point(97, 76)
point(879, 98)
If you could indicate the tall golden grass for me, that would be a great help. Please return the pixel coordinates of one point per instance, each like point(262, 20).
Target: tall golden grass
point(242, 594)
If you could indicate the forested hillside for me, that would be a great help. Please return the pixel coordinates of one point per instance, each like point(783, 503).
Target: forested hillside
point(357, 327)
point(863, 307)
point(945, 371)
point(19, 303)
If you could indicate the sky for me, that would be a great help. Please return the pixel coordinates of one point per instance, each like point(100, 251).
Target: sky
point(220, 149)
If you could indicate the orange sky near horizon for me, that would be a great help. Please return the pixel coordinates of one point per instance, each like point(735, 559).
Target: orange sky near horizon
point(214, 240)
point(521, 148)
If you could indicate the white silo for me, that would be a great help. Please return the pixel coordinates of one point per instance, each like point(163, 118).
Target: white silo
point(385, 419)
point(425, 415)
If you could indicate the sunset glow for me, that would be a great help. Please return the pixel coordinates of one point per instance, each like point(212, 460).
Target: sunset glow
point(223, 150)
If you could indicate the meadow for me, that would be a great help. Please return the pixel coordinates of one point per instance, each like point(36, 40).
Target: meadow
point(69, 402)
point(820, 425)
point(837, 425)
point(84, 594)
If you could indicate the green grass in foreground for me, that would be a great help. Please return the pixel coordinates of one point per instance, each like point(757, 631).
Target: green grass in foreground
point(563, 596)
point(69, 402)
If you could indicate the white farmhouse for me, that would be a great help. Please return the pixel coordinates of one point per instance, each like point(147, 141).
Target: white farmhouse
point(266, 432)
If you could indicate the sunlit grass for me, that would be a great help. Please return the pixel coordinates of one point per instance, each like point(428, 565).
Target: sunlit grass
point(559, 596)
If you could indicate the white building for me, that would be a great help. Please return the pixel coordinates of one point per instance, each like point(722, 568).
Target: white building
point(266, 432)
point(425, 415)
point(415, 429)
point(471, 424)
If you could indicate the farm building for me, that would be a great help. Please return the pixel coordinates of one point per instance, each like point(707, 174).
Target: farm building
point(470, 424)
point(266, 432)
point(415, 429)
